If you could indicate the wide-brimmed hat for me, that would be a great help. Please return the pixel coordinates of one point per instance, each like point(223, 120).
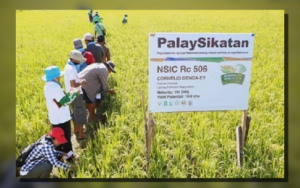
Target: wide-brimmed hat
point(52, 72)
point(59, 135)
point(111, 66)
point(77, 43)
point(75, 54)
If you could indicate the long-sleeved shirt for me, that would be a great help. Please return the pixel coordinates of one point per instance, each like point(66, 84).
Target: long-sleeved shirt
point(43, 153)
point(95, 75)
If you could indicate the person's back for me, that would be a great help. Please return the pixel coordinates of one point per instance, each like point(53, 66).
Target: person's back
point(106, 52)
point(99, 29)
point(90, 74)
point(86, 54)
point(92, 71)
point(96, 50)
point(90, 13)
point(125, 19)
point(89, 57)
point(97, 18)
point(56, 114)
point(101, 41)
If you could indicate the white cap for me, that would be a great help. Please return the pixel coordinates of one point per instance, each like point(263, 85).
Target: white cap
point(88, 36)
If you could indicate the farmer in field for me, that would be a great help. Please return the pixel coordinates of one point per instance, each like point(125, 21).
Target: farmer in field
point(97, 18)
point(99, 29)
point(124, 21)
point(94, 48)
point(58, 104)
point(101, 41)
point(43, 157)
point(96, 75)
point(87, 55)
point(79, 114)
point(90, 13)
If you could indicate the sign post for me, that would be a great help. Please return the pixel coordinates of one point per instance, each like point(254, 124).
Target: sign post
point(199, 72)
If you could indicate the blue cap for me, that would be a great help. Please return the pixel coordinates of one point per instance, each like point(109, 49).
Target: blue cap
point(52, 72)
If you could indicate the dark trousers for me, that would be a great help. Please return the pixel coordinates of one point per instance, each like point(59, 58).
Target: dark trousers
point(40, 171)
point(67, 130)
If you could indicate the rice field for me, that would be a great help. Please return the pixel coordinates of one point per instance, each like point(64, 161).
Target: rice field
point(186, 145)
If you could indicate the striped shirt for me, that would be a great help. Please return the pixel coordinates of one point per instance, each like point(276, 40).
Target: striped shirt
point(43, 153)
point(95, 75)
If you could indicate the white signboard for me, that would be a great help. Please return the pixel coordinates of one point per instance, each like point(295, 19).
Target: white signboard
point(199, 71)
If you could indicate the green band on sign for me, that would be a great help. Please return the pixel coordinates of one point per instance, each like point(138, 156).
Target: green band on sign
point(232, 78)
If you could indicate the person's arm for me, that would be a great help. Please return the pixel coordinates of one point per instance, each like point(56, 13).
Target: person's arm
point(60, 154)
point(74, 84)
point(103, 58)
point(62, 99)
point(103, 29)
point(48, 152)
point(108, 55)
point(103, 76)
point(73, 76)
point(95, 32)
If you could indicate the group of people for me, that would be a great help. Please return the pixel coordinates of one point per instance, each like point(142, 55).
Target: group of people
point(96, 17)
point(86, 78)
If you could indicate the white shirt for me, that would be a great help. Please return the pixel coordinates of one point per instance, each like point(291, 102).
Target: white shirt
point(56, 115)
point(71, 74)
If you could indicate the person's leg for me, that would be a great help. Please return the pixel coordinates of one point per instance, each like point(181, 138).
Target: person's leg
point(90, 105)
point(47, 170)
point(80, 115)
point(39, 171)
point(75, 127)
point(92, 108)
point(67, 129)
point(73, 118)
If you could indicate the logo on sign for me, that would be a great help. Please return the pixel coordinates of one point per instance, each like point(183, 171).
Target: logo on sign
point(177, 103)
point(165, 103)
point(170, 103)
point(190, 103)
point(183, 103)
point(233, 75)
point(159, 103)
